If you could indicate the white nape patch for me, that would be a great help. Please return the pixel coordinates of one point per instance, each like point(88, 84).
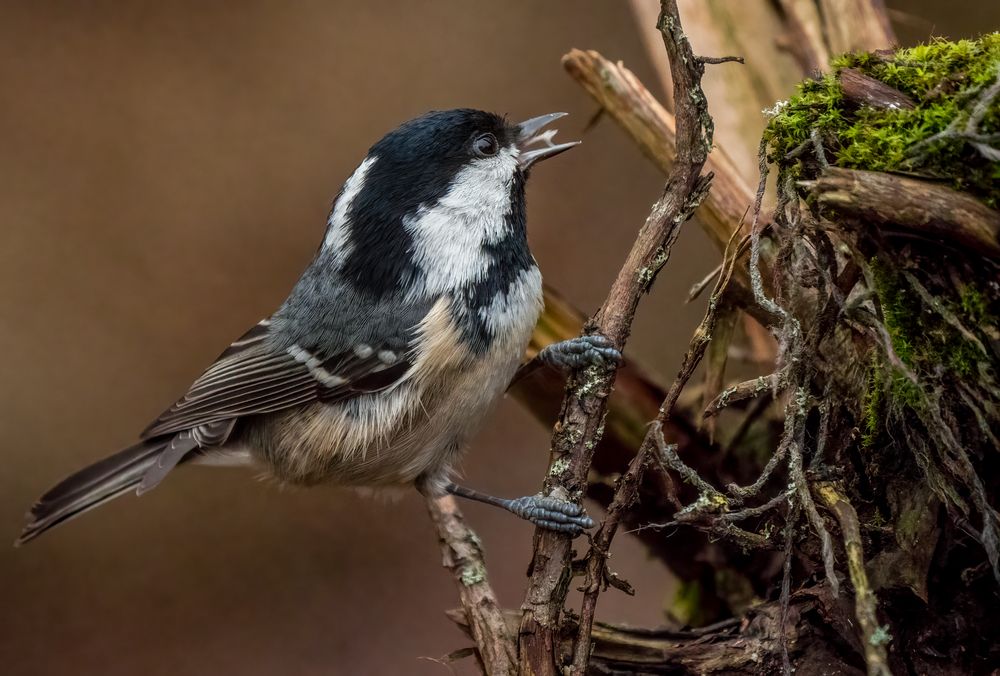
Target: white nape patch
point(448, 236)
point(514, 311)
point(337, 230)
point(315, 366)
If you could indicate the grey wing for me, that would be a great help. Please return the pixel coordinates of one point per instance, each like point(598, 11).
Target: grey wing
point(257, 375)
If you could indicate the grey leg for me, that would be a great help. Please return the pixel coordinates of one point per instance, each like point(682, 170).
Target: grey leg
point(578, 353)
point(544, 512)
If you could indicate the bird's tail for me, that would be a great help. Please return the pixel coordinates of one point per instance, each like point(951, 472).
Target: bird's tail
point(92, 486)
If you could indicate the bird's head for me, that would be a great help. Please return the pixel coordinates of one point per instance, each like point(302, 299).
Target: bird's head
point(433, 195)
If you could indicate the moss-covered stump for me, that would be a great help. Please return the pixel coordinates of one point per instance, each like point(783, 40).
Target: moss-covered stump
point(886, 293)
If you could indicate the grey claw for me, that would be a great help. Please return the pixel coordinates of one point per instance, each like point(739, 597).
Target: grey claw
point(552, 513)
point(581, 352)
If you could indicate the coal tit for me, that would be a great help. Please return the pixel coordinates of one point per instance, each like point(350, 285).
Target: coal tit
point(393, 345)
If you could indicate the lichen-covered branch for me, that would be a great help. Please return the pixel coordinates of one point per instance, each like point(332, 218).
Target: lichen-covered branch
point(584, 408)
point(463, 556)
point(694, 120)
point(875, 637)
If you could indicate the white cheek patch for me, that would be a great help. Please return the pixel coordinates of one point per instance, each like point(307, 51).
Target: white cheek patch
point(514, 311)
point(448, 237)
point(337, 231)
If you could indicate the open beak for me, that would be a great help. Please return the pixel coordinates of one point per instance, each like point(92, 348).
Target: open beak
point(536, 145)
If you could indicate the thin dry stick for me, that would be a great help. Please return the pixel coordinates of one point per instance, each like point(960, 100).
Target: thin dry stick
point(874, 638)
point(582, 416)
point(748, 389)
point(463, 556)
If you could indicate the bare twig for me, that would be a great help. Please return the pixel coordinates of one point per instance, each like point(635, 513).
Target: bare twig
point(874, 638)
point(719, 59)
point(700, 286)
point(668, 456)
point(786, 589)
point(748, 389)
point(463, 556)
point(797, 474)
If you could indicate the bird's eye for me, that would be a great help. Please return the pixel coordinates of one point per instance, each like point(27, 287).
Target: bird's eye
point(486, 145)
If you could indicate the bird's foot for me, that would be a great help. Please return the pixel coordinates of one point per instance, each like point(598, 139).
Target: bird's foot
point(581, 352)
point(551, 513)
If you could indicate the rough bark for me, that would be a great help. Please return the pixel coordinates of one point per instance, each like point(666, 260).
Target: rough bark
point(581, 422)
point(483, 616)
point(911, 206)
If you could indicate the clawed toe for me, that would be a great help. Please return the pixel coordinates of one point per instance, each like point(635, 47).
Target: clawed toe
point(552, 513)
point(581, 352)
point(543, 511)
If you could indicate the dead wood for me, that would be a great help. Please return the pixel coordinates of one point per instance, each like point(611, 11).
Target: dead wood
point(911, 206)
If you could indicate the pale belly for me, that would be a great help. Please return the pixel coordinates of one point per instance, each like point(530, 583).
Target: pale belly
point(397, 437)
point(413, 432)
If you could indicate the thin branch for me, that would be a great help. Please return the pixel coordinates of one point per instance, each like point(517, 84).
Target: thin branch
point(463, 556)
point(693, 143)
point(873, 637)
point(786, 590)
point(581, 423)
point(748, 389)
point(719, 59)
point(668, 456)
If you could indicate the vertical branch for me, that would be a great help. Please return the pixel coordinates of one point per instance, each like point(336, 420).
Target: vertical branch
point(626, 490)
point(873, 636)
point(581, 421)
point(463, 556)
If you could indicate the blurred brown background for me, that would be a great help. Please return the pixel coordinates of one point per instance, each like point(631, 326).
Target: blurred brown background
point(165, 174)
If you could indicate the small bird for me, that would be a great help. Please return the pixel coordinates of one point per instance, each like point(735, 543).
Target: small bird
point(392, 347)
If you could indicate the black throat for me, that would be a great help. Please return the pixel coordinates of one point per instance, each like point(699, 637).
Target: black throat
point(508, 259)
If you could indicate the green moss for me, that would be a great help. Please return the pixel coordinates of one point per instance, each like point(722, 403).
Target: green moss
point(943, 79)
point(686, 607)
point(873, 408)
point(921, 338)
point(901, 310)
point(974, 305)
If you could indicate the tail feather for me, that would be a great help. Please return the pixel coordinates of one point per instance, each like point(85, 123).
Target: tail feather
point(91, 487)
